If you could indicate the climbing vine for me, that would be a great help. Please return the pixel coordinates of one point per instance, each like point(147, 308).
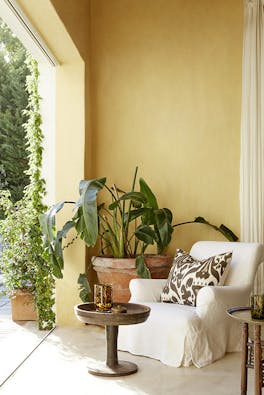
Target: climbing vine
point(24, 261)
point(34, 193)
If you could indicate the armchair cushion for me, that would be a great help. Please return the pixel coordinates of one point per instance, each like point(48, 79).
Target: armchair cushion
point(146, 289)
point(188, 275)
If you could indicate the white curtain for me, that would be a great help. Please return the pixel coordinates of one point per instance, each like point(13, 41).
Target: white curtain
point(252, 129)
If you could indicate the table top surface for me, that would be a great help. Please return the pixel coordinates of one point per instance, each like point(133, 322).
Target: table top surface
point(243, 314)
point(135, 313)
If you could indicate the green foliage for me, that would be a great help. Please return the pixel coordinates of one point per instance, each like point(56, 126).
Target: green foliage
point(226, 232)
point(134, 221)
point(141, 267)
point(126, 226)
point(84, 221)
point(17, 257)
point(13, 100)
point(86, 216)
point(24, 261)
point(33, 195)
point(45, 285)
point(35, 190)
point(53, 239)
point(85, 289)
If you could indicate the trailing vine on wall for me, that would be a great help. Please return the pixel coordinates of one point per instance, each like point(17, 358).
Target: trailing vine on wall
point(34, 193)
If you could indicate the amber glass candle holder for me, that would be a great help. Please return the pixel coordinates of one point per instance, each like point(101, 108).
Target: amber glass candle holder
point(103, 297)
point(257, 307)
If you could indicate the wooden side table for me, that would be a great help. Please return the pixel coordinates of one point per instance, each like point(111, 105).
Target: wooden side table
point(251, 349)
point(135, 314)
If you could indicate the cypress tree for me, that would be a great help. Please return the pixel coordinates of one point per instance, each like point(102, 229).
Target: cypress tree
point(13, 100)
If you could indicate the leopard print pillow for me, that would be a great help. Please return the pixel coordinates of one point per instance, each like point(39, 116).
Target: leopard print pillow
point(188, 275)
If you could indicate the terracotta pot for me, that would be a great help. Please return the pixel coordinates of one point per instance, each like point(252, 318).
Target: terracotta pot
point(119, 272)
point(23, 308)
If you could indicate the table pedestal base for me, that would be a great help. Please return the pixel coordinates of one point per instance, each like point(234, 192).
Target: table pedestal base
point(123, 368)
point(133, 314)
point(112, 367)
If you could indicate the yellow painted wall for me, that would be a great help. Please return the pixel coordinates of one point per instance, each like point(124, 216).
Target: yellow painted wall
point(166, 93)
point(70, 138)
point(77, 22)
point(162, 85)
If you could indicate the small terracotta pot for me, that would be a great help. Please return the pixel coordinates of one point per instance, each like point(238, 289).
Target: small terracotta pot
point(119, 272)
point(22, 304)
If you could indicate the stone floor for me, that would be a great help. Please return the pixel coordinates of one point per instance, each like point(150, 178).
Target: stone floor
point(57, 364)
point(5, 308)
point(36, 362)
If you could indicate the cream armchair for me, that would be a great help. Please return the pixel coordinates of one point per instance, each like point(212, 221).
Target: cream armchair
point(181, 335)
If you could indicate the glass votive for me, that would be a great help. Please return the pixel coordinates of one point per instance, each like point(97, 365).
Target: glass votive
point(257, 307)
point(103, 297)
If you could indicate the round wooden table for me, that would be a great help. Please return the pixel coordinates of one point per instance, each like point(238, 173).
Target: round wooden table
point(251, 350)
point(135, 314)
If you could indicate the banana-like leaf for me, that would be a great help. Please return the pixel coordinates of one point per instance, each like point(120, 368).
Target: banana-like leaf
point(53, 241)
point(112, 240)
point(133, 196)
point(163, 215)
point(228, 233)
point(58, 253)
point(168, 215)
point(88, 227)
point(148, 216)
point(100, 182)
point(135, 204)
point(201, 220)
point(85, 289)
point(133, 214)
point(142, 269)
point(47, 221)
point(58, 243)
point(163, 227)
point(56, 269)
point(147, 192)
point(146, 234)
point(79, 224)
point(66, 227)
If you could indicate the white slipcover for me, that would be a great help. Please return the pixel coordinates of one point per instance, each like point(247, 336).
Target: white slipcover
point(180, 335)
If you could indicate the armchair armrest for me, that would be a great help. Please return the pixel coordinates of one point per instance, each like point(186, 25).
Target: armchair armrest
point(146, 290)
point(219, 298)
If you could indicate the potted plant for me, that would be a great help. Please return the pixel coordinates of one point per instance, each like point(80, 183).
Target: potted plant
point(15, 259)
point(27, 278)
point(128, 226)
point(125, 226)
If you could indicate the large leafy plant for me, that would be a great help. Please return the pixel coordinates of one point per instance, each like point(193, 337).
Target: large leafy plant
point(133, 222)
point(126, 224)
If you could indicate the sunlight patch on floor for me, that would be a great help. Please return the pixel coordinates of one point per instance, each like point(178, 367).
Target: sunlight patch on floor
point(17, 340)
point(60, 366)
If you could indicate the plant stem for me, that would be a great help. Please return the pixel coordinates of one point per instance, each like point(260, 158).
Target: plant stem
point(130, 204)
point(184, 223)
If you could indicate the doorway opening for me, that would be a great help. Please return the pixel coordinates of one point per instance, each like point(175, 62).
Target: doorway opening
point(18, 41)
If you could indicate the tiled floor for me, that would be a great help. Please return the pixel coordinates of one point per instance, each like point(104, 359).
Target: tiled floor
point(59, 366)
